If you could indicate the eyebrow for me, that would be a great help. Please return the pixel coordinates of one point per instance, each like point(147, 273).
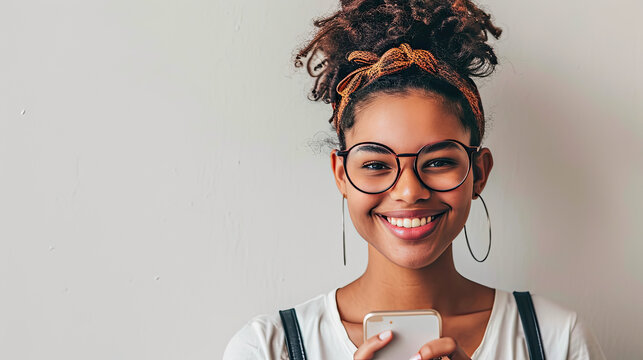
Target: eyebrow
point(442, 145)
point(373, 148)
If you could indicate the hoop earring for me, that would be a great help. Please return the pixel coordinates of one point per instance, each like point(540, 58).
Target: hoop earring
point(343, 229)
point(488, 225)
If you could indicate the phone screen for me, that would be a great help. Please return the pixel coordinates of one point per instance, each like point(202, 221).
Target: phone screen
point(411, 329)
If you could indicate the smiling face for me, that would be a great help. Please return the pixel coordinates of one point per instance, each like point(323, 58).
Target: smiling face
point(405, 123)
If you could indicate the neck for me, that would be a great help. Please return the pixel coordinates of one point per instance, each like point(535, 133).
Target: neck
point(388, 286)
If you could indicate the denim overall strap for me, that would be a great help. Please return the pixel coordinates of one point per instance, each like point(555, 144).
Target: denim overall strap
point(294, 340)
point(530, 325)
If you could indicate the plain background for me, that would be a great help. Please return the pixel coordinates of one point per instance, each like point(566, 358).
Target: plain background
point(161, 180)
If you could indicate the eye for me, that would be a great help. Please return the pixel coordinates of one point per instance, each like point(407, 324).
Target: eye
point(438, 163)
point(375, 165)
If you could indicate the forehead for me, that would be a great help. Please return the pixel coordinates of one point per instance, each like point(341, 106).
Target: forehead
point(405, 122)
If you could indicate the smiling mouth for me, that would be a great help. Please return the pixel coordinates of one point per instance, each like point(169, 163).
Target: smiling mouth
point(410, 222)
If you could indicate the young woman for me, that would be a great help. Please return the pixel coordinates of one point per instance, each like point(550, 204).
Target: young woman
point(409, 122)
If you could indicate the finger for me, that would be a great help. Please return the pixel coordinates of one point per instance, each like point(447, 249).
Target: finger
point(367, 350)
point(445, 346)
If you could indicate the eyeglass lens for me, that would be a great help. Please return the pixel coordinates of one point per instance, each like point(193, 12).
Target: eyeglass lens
point(373, 168)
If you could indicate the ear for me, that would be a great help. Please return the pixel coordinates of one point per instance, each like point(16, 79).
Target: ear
point(337, 165)
point(482, 164)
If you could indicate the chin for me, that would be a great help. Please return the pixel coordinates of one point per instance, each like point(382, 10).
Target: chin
point(412, 261)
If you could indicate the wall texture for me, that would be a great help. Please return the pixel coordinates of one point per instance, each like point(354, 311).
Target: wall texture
point(161, 180)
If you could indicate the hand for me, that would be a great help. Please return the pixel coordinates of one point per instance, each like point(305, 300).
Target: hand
point(372, 344)
point(440, 348)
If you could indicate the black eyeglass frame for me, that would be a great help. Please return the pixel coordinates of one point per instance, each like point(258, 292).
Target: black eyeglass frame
point(469, 149)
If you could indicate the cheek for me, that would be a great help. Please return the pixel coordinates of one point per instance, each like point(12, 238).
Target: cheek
point(460, 200)
point(461, 204)
point(359, 206)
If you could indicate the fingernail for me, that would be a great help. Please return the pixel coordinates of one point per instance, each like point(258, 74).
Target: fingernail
point(385, 335)
point(416, 357)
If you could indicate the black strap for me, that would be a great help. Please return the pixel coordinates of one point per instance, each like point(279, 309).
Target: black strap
point(530, 325)
point(294, 341)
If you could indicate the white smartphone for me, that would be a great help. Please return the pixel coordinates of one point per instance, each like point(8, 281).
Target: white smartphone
point(411, 329)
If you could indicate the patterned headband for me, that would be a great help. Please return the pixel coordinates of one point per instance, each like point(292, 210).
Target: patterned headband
point(397, 59)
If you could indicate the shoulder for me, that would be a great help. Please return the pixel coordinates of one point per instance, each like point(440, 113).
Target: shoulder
point(564, 333)
point(553, 316)
point(262, 337)
point(564, 326)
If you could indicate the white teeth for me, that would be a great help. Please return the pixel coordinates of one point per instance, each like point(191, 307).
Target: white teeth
point(410, 222)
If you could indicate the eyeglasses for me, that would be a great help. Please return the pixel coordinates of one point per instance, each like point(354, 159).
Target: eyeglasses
point(373, 168)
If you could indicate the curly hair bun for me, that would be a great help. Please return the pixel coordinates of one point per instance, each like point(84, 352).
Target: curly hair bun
point(455, 31)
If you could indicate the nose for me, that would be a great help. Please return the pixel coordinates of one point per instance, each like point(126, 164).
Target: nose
point(408, 187)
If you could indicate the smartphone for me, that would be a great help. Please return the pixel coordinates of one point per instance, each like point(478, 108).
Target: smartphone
point(411, 329)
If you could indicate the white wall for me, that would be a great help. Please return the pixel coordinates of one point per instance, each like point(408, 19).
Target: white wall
point(158, 187)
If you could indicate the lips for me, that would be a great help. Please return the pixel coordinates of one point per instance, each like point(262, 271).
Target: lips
point(410, 225)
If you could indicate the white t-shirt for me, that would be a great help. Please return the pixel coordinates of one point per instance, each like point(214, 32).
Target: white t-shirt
point(564, 335)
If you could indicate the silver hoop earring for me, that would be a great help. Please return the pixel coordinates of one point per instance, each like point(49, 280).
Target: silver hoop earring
point(343, 230)
point(488, 225)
